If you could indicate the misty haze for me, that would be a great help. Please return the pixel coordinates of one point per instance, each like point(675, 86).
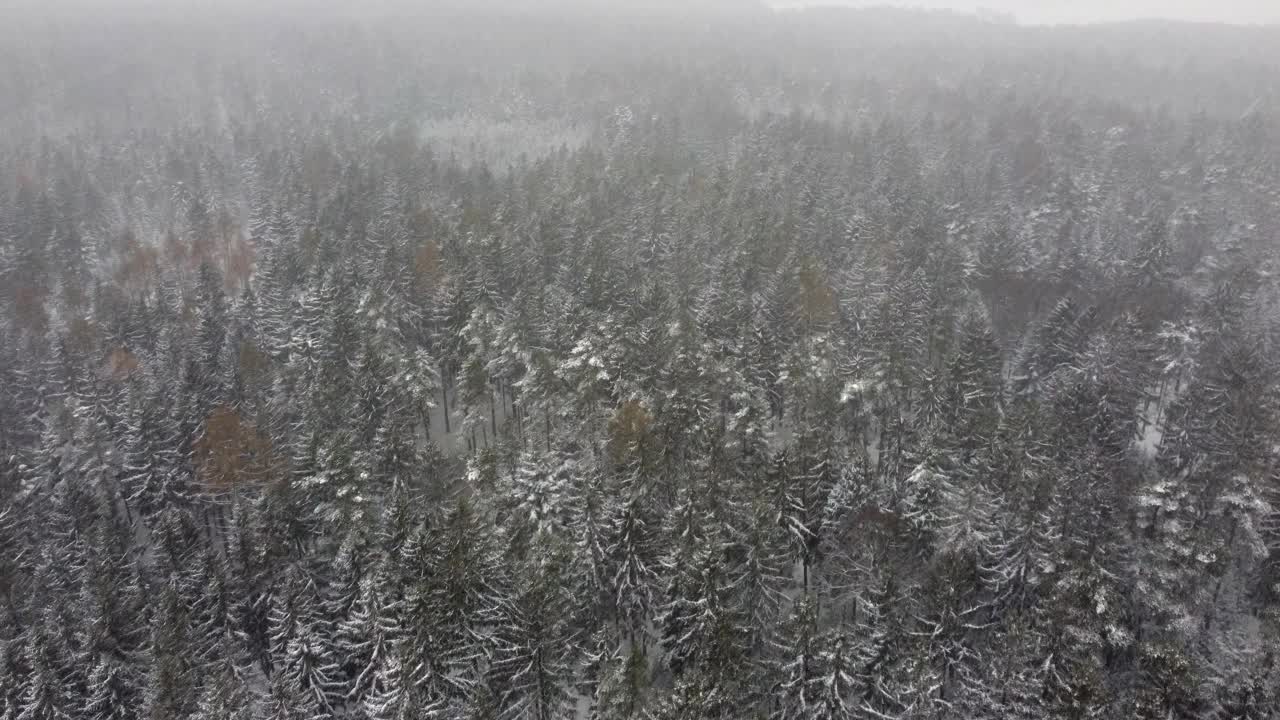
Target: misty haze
point(660, 360)
point(1081, 11)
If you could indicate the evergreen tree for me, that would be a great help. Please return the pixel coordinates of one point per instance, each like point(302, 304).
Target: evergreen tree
point(534, 643)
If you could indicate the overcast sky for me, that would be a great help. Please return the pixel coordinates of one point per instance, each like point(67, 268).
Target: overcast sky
point(1080, 11)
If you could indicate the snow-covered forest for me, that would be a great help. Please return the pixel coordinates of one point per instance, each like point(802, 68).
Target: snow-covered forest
point(679, 364)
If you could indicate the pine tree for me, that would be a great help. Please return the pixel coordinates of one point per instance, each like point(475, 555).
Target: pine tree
point(622, 681)
point(370, 638)
point(702, 634)
point(225, 695)
point(301, 647)
point(797, 664)
point(44, 695)
point(534, 642)
point(286, 701)
point(113, 693)
point(169, 689)
point(451, 601)
point(393, 695)
point(631, 554)
point(762, 569)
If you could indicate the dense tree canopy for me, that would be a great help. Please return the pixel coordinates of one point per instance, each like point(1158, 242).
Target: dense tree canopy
point(807, 365)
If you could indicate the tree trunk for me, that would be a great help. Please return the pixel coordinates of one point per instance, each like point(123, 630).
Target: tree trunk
point(444, 405)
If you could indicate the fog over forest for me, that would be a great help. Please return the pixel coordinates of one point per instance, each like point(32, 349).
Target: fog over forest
point(573, 360)
point(1082, 11)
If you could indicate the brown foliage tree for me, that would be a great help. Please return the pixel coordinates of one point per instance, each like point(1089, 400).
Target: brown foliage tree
point(232, 453)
